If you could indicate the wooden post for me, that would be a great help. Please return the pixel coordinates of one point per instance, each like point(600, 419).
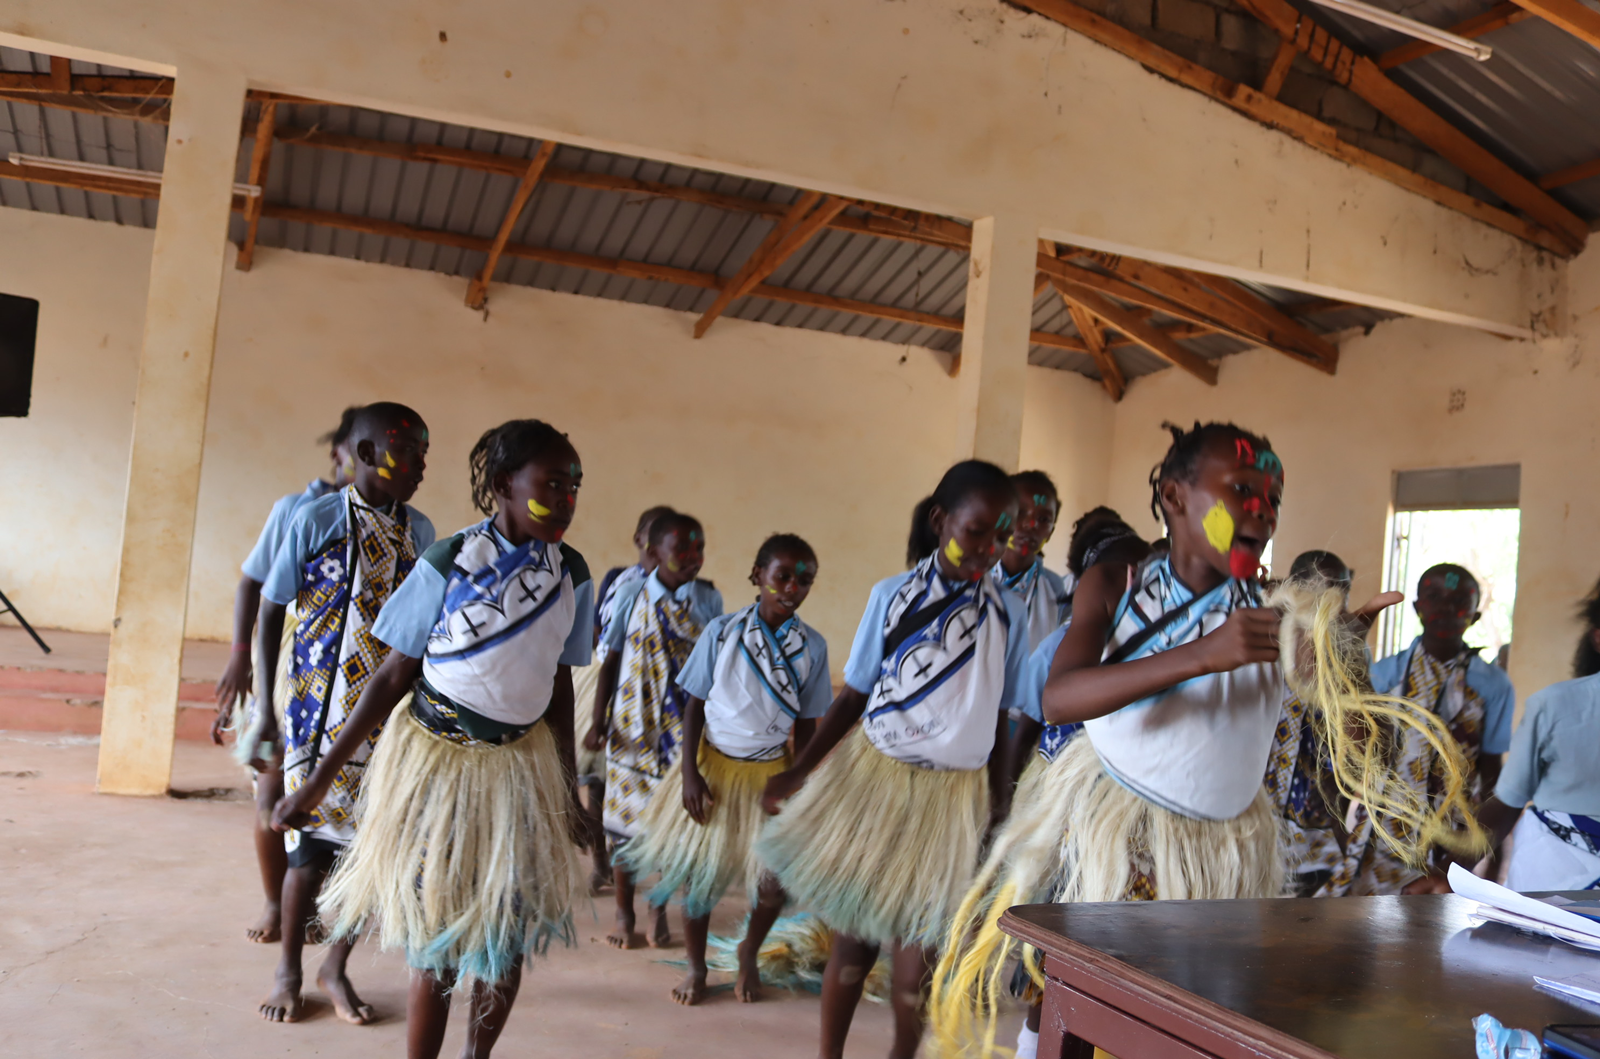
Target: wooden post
point(169, 422)
point(993, 373)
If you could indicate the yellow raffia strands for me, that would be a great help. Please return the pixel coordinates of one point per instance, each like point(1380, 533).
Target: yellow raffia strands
point(1325, 663)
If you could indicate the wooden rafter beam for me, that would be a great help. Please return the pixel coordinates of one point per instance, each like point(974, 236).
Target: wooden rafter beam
point(1497, 17)
point(1211, 299)
point(1110, 372)
point(260, 156)
point(1278, 73)
point(808, 216)
point(158, 112)
point(1363, 77)
point(886, 222)
point(85, 84)
point(1571, 175)
point(533, 168)
point(1303, 127)
point(1144, 334)
point(60, 74)
point(1580, 21)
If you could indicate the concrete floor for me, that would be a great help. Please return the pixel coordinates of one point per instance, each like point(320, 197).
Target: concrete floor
point(122, 935)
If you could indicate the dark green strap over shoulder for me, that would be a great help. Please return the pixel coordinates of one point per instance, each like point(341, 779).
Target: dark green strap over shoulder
point(576, 563)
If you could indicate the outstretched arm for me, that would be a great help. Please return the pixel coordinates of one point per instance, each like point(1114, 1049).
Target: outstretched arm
point(847, 708)
point(1080, 688)
point(697, 799)
point(269, 632)
point(386, 688)
point(605, 689)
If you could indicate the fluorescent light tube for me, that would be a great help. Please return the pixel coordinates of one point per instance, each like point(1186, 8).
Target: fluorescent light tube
point(141, 176)
point(1410, 27)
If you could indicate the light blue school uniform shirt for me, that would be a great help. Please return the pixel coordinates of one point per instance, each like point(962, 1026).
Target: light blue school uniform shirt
point(314, 526)
point(705, 603)
point(258, 564)
point(865, 664)
point(816, 693)
point(408, 618)
point(1490, 682)
point(1555, 753)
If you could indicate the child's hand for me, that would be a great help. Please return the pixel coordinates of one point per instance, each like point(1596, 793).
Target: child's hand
point(697, 799)
point(780, 789)
point(594, 740)
point(235, 681)
point(1249, 635)
point(265, 756)
point(219, 723)
point(293, 811)
point(1361, 620)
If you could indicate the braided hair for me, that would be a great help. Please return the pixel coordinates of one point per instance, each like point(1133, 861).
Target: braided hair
point(783, 544)
point(341, 433)
point(1181, 463)
point(505, 449)
point(1587, 661)
point(965, 479)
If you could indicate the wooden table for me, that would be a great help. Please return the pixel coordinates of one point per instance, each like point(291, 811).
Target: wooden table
point(1353, 977)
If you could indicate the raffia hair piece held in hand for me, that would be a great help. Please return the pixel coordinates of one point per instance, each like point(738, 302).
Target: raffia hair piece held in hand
point(1324, 661)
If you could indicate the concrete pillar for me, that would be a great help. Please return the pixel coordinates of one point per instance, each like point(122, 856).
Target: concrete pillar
point(994, 343)
point(169, 422)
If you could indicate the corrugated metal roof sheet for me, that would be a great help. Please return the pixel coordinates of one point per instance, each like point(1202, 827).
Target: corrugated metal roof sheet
point(602, 222)
point(1535, 103)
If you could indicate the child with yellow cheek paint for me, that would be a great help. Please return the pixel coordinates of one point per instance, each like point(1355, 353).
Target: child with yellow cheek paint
point(483, 635)
point(639, 704)
point(1021, 567)
point(755, 676)
point(884, 840)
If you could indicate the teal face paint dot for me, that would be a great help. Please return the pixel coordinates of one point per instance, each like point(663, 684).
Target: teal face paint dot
point(1040, 501)
point(1003, 521)
point(1452, 581)
point(799, 568)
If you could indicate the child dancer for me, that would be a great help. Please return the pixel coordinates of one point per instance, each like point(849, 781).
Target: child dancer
point(1176, 683)
point(592, 764)
point(1550, 789)
point(1021, 566)
point(238, 707)
point(465, 851)
point(656, 623)
point(344, 555)
point(752, 676)
point(882, 842)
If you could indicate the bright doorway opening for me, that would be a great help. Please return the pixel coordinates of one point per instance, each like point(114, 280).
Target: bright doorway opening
point(1468, 516)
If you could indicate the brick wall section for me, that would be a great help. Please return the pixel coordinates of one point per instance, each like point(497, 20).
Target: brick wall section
point(1228, 40)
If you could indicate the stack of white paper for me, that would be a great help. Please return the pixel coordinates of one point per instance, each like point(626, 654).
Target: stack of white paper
point(1501, 905)
point(1584, 987)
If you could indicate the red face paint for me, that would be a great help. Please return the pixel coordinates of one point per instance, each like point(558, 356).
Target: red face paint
point(1245, 451)
point(1241, 564)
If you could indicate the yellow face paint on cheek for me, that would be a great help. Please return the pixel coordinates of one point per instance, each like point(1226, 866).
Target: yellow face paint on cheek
point(388, 459)
point(954, 552)
point(1218, 525)
point(771, 591)
point(537, 510)
point(383, 472)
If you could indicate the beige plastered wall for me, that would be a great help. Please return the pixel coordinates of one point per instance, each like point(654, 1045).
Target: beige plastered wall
point(755, 429)
point(1388, 409)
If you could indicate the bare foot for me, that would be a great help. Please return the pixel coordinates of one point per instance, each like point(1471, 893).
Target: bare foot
point(269, 928)
point(660, 936)
point(283, 1004)
point(623, 937)
point(346, 1004)
point(747, 986)
point(691, 990)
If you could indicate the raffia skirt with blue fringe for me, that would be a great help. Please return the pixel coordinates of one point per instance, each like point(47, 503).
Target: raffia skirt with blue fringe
point(879, 849)
point(703, 862)
point(463, 855)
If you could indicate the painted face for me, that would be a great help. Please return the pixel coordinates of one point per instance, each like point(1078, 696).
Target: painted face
point(541, 497)
point(680, 555)
point(400, 455)
point(344, 465)
point(784, 583)
point(970, 536)
point(1447, 605)
point(1232, 505)
point(1036, 522)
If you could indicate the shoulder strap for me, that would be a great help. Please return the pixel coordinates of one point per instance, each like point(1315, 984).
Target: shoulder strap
point(442, 554)
point(1140, 638)
point(913, 622)
point(576, 564)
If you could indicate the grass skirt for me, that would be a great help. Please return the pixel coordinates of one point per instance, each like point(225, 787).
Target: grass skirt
point(249, 720)
point(702, 862)
point(1076, 834)
point(794, 956)
point(881, 850)
point(591, 763)
point(462, 853)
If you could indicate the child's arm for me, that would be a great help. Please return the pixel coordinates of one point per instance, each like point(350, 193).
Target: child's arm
point(1022, 741)
point(605, 689)
point(1000, 782)
point(559, 716)
point(388, 686)
point(847, 708)
point(1080, 688)
point(269, 632)
point(697, 799)
point(235, 680)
